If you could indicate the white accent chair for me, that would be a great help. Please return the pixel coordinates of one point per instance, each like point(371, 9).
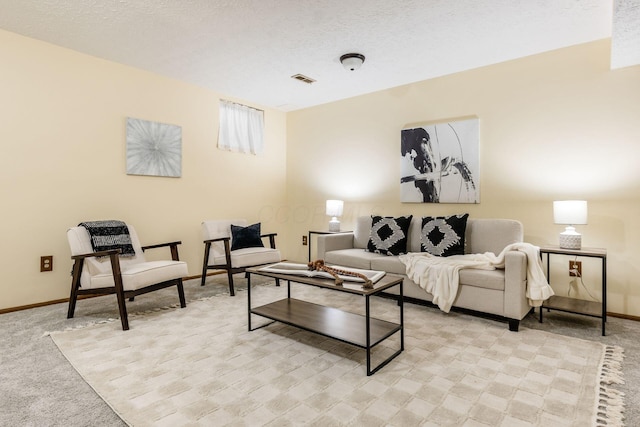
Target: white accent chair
point(105, 272)
point(219, 256)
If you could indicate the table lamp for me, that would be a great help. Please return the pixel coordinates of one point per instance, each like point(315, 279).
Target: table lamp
point(570, 212)
point(334, 210)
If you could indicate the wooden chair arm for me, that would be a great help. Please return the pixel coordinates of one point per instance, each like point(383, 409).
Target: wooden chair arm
point(161, 245)
point(172, 245)
point(219, 239)
point(97, 254)
point(272, 239)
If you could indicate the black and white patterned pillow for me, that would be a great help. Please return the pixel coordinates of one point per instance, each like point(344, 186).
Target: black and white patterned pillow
point(389, 235)
point(443, 235)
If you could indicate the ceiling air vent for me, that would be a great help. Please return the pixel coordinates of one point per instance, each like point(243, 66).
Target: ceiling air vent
point(303, 78)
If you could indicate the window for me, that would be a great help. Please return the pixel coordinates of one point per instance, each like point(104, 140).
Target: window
point(241, 128)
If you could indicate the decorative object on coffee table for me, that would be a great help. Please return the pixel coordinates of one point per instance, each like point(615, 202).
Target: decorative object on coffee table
point(320, 265)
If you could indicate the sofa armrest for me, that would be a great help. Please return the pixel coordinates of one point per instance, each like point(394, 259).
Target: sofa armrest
point(515, 285)
point(332, 242)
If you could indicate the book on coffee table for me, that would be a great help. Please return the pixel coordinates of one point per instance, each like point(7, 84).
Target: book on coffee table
point(302, 270)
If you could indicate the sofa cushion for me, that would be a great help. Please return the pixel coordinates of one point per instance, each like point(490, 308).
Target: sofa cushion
point(389, 235)
point(443, 235)
point(362, 232)
point(247, 257)
point(390, 264)
point(488, 279)
point(140, 275)
point(356, 258)
point(492, 235)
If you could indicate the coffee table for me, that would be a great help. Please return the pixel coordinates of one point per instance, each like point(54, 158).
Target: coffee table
point(362, 331)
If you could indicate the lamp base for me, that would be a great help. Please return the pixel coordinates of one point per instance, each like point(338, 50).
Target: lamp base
point(569, 239)
point(334, 224)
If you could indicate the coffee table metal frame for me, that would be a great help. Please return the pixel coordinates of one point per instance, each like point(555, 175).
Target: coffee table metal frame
point(362, 331)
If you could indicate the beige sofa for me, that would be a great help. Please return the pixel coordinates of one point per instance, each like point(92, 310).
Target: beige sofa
point(500, 292)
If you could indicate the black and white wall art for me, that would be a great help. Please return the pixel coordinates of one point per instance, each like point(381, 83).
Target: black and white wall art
point(440, 162)
point(153, 148)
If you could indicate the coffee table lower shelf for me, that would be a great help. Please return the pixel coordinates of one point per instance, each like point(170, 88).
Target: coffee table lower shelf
point(328, 321)
point(331, 322)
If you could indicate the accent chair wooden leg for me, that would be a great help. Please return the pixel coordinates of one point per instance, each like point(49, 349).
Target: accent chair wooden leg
point(75, 284)
point(183, 302)
point(117, 279)
point(230, 276)
point(122, 308)
point(72, 303)
point(207, 248)
point(204, 277)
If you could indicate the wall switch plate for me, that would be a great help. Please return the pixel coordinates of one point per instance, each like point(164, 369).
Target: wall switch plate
point(46, 263)
point(304, 240)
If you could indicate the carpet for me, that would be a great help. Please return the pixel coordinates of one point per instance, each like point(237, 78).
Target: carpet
point(200, 366)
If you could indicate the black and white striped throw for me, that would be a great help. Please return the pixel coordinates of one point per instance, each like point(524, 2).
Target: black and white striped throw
point(110, 234)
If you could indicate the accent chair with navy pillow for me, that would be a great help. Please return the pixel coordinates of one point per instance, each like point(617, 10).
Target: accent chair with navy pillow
point(234, 246)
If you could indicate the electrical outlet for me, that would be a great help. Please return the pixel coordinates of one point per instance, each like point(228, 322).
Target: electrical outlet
point(575, 268)
point(304, 240)
point(46, 263)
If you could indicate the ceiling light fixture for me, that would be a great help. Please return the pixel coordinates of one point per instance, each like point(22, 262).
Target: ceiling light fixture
point(352, 61)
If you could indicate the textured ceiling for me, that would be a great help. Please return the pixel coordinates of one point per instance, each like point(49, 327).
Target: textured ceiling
point(625, 39)
point(249, 49)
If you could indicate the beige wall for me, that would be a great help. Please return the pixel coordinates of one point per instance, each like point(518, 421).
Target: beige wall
point(559, 125)
point(62, 161)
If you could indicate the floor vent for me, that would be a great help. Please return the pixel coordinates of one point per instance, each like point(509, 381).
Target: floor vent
point(303, 78)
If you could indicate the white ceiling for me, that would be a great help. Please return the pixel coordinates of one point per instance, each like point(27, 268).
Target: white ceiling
point(249, 49)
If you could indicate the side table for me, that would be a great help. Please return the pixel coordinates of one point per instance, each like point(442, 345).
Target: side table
point(322, 232)
point(573, 305)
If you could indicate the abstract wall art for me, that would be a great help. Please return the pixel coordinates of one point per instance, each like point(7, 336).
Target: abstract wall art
point(153, 148)
point(440, 162)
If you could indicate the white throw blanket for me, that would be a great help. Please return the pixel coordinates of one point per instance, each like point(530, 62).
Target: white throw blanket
point(439, 275)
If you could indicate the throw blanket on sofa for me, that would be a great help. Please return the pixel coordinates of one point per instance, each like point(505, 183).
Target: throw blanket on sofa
point(439, 275)
point(106, 235)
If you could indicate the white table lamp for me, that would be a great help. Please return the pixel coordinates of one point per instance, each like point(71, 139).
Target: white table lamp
point(334, 210)
point(570, 212)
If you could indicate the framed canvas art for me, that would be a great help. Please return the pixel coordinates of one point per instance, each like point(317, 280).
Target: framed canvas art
point(440, 162)
point(153, 148)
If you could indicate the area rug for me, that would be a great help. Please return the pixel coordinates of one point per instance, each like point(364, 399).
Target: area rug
point(200, 366)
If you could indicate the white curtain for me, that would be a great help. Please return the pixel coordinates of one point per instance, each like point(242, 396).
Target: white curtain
point(241, 128)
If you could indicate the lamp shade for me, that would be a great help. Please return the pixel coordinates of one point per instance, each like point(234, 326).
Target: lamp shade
point(335, 207)
point(570, 212)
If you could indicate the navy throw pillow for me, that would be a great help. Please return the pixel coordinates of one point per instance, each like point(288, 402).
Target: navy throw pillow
point(245, 237)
